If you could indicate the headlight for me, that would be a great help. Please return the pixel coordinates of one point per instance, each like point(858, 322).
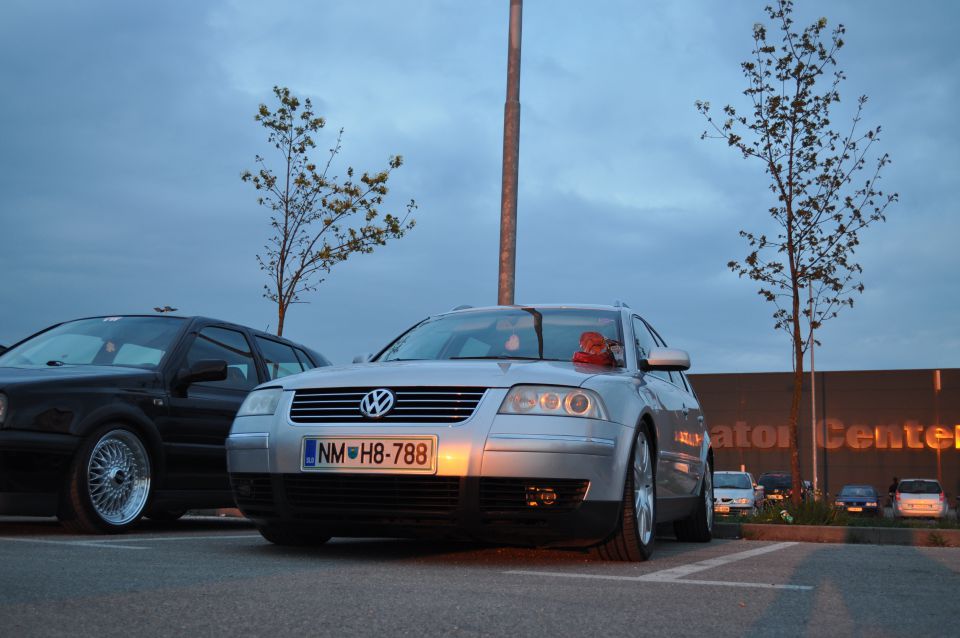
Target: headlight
point(742, 501)
point(261, 402)
point(3, 407)
point(553, 401)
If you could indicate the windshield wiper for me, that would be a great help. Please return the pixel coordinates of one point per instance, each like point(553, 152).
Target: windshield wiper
point(502, 356)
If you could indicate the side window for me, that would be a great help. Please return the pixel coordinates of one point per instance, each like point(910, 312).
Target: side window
point(309, 362)
point(280, 358)
point(675, 378)
point(232, 347)
point(645, 343)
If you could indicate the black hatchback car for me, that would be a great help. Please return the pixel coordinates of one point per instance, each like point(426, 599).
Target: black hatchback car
point(106, 419)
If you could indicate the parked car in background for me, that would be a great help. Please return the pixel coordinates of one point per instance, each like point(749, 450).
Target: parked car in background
point(859, 499)
point(778, 487)
point(541, 425)
point(105, 419)
point(734, 494)
point(919, 498)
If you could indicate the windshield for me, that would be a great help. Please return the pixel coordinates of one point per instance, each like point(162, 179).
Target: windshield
point(105, 341)
point(776, 481)
point(858, 490)
point(735, 481)
point(553, 334)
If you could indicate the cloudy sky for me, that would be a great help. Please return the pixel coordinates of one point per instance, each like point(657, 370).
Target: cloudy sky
point(125, 126)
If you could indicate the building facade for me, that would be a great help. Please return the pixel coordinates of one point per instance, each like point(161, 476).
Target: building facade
point(870, 425)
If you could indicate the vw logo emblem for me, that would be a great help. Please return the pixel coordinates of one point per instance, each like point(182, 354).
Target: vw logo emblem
point(376, 403)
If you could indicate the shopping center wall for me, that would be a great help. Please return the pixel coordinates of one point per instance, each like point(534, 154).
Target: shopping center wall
point(870, 425)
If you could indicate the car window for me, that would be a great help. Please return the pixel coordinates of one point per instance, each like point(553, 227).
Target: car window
point(553, 334)
point(857, 490)
point(725, 480)
point(776, 481)
point(919, 487)
point(230, 346)
point(280, 358)
point(307, 362)
point(644, 342)
point(102, 341)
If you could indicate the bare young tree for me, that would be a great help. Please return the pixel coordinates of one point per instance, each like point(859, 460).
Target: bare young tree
point(822, 201)
point(318, 220)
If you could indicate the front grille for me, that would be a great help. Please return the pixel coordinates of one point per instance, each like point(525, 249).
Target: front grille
point(511, 494)
point(253, 493)
point(413, 405)
point(352, 496)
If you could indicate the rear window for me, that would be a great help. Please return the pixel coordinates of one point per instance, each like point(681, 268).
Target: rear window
point(776, 481)
point(919, 487)
point(857, 490)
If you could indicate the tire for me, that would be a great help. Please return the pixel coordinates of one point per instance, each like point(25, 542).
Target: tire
point(289, 537)
point(165, 516)
point(636, 530)
point(108, 482)
point(698, 527)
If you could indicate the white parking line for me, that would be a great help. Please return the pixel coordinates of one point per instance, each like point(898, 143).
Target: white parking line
point(676, 574)
point(124, 543)
point(72, 543)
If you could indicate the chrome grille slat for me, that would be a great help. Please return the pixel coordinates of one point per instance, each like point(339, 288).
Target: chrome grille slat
point(413, 405)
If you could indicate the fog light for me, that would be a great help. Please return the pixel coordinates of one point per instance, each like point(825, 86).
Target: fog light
point(540, 496)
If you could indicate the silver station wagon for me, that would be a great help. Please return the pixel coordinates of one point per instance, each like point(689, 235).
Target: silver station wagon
point(552, 425)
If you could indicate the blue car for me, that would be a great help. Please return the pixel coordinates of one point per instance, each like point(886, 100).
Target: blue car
point(859, 499)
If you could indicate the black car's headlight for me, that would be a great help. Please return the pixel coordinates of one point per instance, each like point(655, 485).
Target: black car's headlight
point(546, 400)
point(3, 408)
point(261, 402)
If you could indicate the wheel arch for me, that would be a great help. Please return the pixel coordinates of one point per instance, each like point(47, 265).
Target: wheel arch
point(136, 420)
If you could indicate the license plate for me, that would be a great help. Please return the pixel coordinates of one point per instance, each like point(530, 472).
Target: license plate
point(854, 509)
point(408, 454)
point(776, 497)
point(722, 509)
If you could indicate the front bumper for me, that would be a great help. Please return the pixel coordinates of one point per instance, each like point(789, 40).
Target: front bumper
point(581, 460)
point(491, 509)
point(31, 470)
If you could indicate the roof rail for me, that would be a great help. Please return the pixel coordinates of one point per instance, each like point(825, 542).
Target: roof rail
point(461, 307)
point(619, 304)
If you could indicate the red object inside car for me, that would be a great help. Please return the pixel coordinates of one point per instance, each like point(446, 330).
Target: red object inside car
point(594, 350)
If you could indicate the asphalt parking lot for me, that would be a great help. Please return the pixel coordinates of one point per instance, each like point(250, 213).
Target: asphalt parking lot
point(217, 577)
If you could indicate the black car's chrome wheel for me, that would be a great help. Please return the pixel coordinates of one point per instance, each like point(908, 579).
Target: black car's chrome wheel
point(108, 483)
point(633, 539)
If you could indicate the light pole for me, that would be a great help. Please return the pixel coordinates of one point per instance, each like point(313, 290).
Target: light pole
point(511, 161)
point(813, 398)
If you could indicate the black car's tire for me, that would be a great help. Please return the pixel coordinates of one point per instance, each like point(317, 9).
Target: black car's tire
point(289, 537)
point(164, 516)
point(633, 539)
point(108, 482)
point(698, 527)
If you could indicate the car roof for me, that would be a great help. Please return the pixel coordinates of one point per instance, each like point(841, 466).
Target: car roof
point(199, 319)
point(575, 306)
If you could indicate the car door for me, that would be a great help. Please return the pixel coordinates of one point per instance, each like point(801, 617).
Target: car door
point(201, 414)
point(691, 430)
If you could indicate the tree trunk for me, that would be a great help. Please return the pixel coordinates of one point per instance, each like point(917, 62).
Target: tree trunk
point(795, 401)
point(281, 315)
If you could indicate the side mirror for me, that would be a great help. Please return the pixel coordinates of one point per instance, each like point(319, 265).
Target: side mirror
point(667, 359)
point(363, 358)
point(203, 370)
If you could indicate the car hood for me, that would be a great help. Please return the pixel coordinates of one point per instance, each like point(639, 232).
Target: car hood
point(732, 492)
point(14, 376)
point(469, 373)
